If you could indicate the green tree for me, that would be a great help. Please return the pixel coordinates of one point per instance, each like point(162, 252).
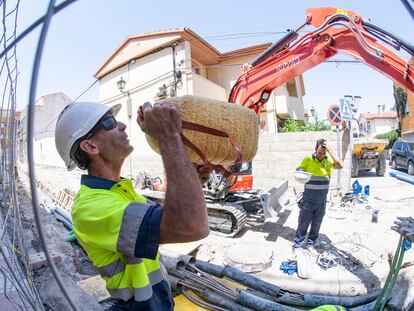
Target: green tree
point(301, 126)
point(392, 136)
point(400, 97)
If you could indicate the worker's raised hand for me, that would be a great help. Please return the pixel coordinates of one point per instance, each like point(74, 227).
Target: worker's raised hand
point(327, 146)
point(161, 119)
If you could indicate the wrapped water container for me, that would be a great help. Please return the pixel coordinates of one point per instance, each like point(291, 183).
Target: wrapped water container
point(215, 131)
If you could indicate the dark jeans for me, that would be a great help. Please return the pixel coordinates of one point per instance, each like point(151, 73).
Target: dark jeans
point(312, 217)
point(161, 300)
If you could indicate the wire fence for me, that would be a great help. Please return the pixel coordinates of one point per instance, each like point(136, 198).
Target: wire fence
point(17, 287)
point(17, 290)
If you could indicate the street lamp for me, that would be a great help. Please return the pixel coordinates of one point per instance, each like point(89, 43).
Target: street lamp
point(121, 86)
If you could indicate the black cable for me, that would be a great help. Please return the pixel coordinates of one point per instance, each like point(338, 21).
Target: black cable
point(263, 33)
point(134, 88)
point(386, 36)
point(89, 87)
point(409, 8)
point(30, 139)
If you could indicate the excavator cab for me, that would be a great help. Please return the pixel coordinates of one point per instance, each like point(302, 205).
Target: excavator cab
point(220, 186)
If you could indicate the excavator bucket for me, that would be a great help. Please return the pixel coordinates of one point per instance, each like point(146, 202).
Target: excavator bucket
point(272, 201)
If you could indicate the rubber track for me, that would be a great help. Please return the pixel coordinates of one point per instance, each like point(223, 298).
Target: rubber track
point(230, 212)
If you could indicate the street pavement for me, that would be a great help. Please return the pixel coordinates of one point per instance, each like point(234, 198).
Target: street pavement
point(387, 188)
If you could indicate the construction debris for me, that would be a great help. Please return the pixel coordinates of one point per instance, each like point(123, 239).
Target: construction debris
point(327, 260)
point(39, 260)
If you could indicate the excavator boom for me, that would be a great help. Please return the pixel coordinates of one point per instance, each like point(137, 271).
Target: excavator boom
point(335, 31)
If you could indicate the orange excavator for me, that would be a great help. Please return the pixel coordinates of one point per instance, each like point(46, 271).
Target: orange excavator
point(335, 31)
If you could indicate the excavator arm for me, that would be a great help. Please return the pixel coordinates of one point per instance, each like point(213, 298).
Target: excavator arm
point(335, 31)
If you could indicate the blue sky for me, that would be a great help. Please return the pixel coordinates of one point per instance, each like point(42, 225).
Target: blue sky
point(83, 35)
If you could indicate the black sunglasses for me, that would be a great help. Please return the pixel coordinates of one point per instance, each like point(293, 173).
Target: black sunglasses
point(106, 122)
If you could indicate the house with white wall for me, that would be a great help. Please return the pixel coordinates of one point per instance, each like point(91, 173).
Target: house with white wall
point(179, 62)
point(46, 111)
point(372, 124)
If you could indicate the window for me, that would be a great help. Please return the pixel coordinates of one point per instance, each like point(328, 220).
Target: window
point(411, 146)
point(368, 128)
point(396, 145)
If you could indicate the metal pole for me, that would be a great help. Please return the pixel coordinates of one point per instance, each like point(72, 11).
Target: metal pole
point(338, 146)
point(351, 146)
point(174, 69)
point(129, 112)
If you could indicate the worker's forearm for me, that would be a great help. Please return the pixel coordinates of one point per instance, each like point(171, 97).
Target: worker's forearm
point(337, 161)
point(185, 213)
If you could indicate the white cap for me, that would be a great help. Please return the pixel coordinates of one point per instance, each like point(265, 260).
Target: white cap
point(74, 122)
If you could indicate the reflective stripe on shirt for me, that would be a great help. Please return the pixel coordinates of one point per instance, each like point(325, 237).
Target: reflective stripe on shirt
point(131, 222)
point(316, 187)
point(139, 294)
point(112, 269)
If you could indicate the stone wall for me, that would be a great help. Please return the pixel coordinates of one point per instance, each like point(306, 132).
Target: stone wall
point(280, 154)
point(277, 158)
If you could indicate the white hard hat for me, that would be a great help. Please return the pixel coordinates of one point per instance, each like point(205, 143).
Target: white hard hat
point(302, 177)
point(74, 122)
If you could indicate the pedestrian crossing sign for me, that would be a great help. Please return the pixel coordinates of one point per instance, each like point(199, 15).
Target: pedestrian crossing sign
point(346, 111)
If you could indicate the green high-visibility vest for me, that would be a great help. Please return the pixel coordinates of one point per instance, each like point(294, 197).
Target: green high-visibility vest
point(316, 189)
point(106, 223)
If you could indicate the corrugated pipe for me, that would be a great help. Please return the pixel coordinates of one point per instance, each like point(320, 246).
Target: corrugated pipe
point(63, 213)
point(260, 304)
point(238, 276)
point(221, 301)
point(183, 257)
point(67, 223)
point(172, 264)
point(348, 302)
point(279, 295)
point(403, 177)
point(366, 307)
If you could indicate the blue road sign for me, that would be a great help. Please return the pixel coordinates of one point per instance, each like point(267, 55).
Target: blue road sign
point(334, 115)
point(346, 111)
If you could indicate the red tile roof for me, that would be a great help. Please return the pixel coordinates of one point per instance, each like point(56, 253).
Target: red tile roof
point(382, 115)
point(136, 46)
